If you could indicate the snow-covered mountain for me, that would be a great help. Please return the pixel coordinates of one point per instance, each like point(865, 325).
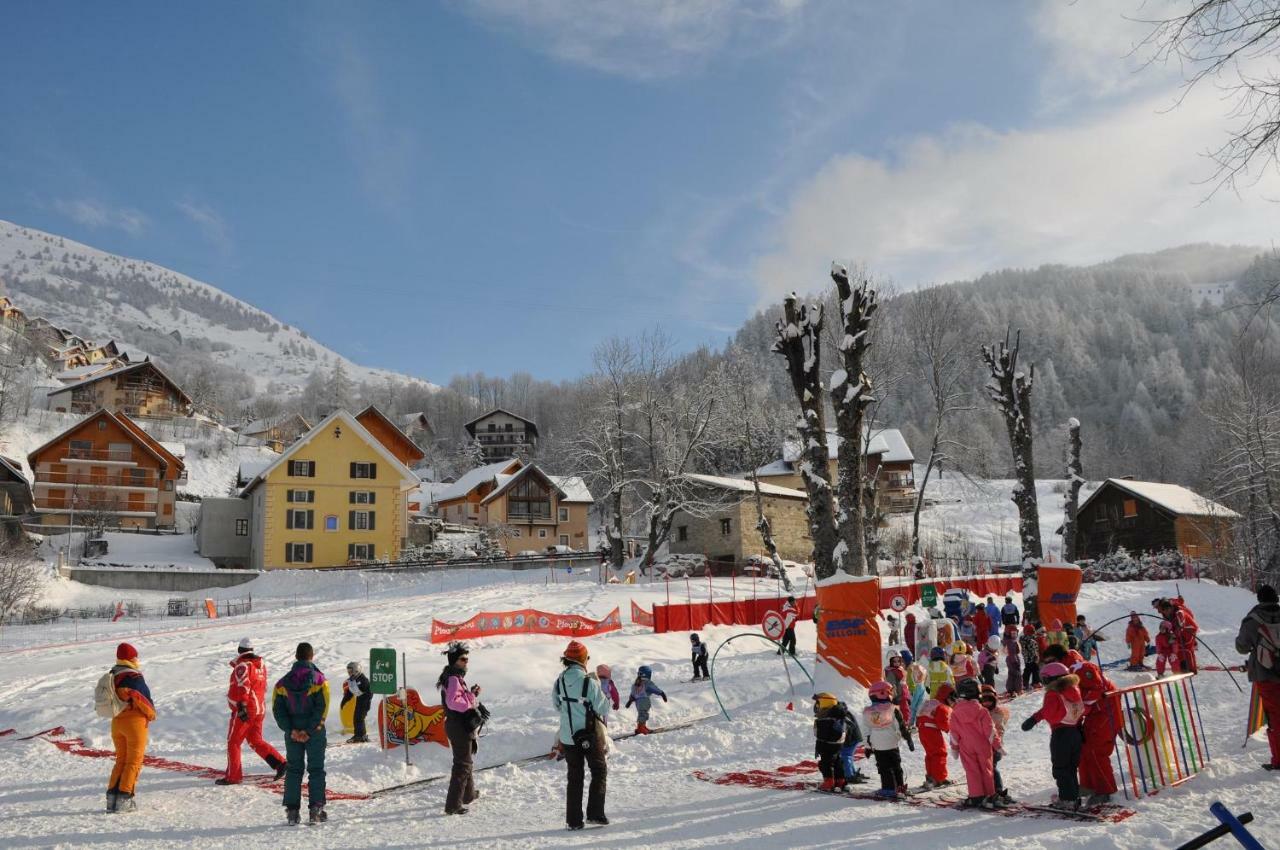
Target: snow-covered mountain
point(141, 305)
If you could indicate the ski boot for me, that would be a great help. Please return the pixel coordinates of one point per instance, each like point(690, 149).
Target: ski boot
point(1066, 805)
point(291, 815)
point(317, 814)
point(839, 784)
point(828, 784)
point(1003, 797)
point(126, 803)
point(1097, 800)
point(112, 799)
point(600, 821)
point(642, 729)
point(902, 791)
point(462, 810)
point(857, 778)
point(1270, 766)
point(988, 803)
point(971, 802)
point(887, 794)
point(224, 781)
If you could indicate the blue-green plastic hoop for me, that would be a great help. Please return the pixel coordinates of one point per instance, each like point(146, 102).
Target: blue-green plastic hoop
point(712, 667)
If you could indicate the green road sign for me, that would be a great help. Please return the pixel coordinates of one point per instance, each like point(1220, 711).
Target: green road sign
point(929, 596)
point(382, 671)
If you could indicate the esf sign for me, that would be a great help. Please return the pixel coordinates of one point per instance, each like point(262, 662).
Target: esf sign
point(850, 627)
point(1062, 598)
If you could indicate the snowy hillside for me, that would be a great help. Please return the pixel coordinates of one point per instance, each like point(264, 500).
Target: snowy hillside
point(139, 304)
point(50, 797)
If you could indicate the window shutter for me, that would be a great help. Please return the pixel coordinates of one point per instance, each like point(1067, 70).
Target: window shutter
point(373, 470)
point(371, 514)
point(288, 519)
point(311, 519)
point(373, 497)
point(311, 469)
point(288, 553)
point(289, 496)
point(351, 550)
point(351, 520)
point(351, 497)
point(308, 553)
point(353, 469)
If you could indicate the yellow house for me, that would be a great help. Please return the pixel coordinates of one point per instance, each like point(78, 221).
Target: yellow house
point(336, 495)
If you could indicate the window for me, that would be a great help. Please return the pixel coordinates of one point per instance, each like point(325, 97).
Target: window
point(331, 522)
point(137, 477)
point(168, 509)
point(305, 496)
point(1130, 508)
point(493, 427)
point(120, 451)
point(102, 424)
point(363, 469)
point(682, 533)
point(360, 552)
point(564, 540)
point(542, 532)
point(529, 499)
point(168, 486)
point(297, 553)
point(515, 532)
point(81, 449)
point(508, 428)
point(360, 520)
point(302, 468)
point(726, 526)
point(299, 519)
point(242, 528)
point(362, 497)
point(563, 513)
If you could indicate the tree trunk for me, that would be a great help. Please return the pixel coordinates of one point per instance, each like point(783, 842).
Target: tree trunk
point(1075, 480)
point(872, 517)
point(928, 469)
point(1010, 389)
point(850, 395)
point(616, 537)
point(799, 340)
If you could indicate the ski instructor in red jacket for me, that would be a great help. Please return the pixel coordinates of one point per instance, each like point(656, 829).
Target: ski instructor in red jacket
point(246, 696)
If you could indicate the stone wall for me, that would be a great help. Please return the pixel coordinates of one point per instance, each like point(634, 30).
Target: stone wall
point(174, 581)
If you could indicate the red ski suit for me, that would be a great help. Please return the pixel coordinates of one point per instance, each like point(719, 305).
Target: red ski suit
point(933, 723)
point(1101, 725)
point(248, 688)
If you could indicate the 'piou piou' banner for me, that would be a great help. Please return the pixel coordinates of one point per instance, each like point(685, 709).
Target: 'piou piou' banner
point(528, 621)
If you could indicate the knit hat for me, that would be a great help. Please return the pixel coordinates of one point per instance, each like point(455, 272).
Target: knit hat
point(575, 651)
point(126, 652)
point(603, 671)
point(993, 643)
point(245, 645)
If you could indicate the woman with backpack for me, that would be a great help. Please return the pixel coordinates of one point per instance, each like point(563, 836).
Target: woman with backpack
point(1259, 638)
point(122, 694)
point(582, 706)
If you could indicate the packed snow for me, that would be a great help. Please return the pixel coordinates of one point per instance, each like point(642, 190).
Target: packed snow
point(52, 798)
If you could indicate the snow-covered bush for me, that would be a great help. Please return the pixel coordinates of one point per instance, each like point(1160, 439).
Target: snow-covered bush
point(679, 566)
point(1120, 565)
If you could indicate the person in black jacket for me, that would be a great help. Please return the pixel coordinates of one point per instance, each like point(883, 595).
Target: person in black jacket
point(829, 734)
point(357, 688)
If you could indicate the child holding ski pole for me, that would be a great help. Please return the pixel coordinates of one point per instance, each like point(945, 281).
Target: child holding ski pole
point(699, 658)
point(885, 732)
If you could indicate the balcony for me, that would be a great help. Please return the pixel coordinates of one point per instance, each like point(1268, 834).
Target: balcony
point(101, 455)
point(95, 503)
point(116, 478)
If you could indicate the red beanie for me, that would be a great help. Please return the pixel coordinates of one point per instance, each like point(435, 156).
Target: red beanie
point(126, 652)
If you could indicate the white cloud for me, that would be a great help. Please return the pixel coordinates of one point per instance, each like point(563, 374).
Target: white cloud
point(641, 39)
point(955, 204)
point(211, 224)
point(96, 215)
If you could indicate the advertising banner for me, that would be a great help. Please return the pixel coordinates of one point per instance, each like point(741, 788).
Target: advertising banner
point(849, 628)
point(1057, 587)
point(639, 616)
point(424, 722)
point(525, 622)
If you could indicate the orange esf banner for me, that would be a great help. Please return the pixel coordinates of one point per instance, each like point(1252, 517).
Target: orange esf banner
point(524, 622)
point(1057, 586)
point(848, 628)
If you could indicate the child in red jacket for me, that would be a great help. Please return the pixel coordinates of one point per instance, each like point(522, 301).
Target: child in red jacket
point(932, 723)
point(1063, 709)
point(1166, 649)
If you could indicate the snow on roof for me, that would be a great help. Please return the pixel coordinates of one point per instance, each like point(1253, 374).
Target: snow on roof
point(251, 469)
point(778, 467)
point(75, 374)
point(573, 487)
point(1172, 497)
point(886, 442)
point(473, 479)
point(178, 450)
point(742, 485)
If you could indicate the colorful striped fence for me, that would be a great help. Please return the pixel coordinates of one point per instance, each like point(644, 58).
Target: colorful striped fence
point(1164, 741)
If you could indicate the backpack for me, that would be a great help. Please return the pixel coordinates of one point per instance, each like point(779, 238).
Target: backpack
point(1267, 651)
point(106, 701)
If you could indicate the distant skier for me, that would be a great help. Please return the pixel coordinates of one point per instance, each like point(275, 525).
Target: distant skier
point(993, 618)
point(246, 697)
point(989, 661)
point(1009, 614)
point(963, 665)
point(909, 634)
point(642, 692)
point(605, 675)
point(1030, 657)
point(895, 637)
point(1063, 710)
point(1057, 634)
point(463, 717)
point(1185, 631)
point(122, 694)
point(932, 722)
point(1137, 637)
point(299, 705)
point(1012, 660)
point(974, 740)
point(981, 625)
point(357, 688)
point(1000, 719)
point(1088, 639)
point(789, 616)
point(886, 730)
point(939, 671)
point(699, 658)
point(1166, 649)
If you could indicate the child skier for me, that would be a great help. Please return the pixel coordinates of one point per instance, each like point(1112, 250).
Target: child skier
point(962, 664)
point(699, 658)
point(607, 687)
point(894, 636)
point(939, 670)
point(1062, 709)
point(1000, 718)
point(642, 692)
point(828, 737)
point(1012, 660)
point(917, 682)
point(989, 661)
point(1137, 637)
point(933, 720)
point(1166, 649)
point(849, 773)
point(1057, 634)
point(885, 731)
point(895, 673)
point(973, 739)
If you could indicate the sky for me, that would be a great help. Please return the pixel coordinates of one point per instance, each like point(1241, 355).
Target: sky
point(500, 185)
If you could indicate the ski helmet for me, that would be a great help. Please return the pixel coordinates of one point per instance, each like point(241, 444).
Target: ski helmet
point(645, 672)
point(892, 657)
point(959, 648)
point(353, 668)
point(245, 645)
point(907, 657)
point(993, 643)
point(1053, 670)
point(1028, 629)
point(693, 637)
point(937, 654)
point(944, 693)
point(967, 688)
point(881, 690)
point(1055, 625)
point(603, 671)
point(823, 701)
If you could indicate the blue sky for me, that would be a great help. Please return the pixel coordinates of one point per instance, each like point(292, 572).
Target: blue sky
point(483, 185)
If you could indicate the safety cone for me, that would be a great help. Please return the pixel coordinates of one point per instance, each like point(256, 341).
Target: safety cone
point(791, 707)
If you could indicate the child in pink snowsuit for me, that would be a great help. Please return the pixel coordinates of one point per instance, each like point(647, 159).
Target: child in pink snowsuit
point(974, 739)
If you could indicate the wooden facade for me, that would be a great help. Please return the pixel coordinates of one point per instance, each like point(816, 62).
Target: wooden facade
point(1136, 517)
point(527, 509)
point(389, 434)
point(501, 433)
point(138, 390)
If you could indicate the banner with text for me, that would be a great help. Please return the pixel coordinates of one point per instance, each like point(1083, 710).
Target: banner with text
point(1057, 586)
point(420, 722)
point(849, 628)
point(639, 616)
point(526, 622)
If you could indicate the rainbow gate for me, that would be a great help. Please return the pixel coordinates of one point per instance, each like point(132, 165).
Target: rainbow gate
point(1162, 733)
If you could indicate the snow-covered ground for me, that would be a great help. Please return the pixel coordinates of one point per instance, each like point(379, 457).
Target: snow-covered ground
point(49, 798)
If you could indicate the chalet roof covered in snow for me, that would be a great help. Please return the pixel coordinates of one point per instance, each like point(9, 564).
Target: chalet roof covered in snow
point(262, 426)
point(251, 469)
point(1174, 498)
point(574, 491)
point(886, 442)
point(143, 365)
point(573, 488)
point(742, 485)
point(530, 425)
point(79, 373)
point(473, 479)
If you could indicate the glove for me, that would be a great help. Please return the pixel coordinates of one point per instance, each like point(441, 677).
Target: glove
point(484, 712)
point(628, 704)
point(664, 698)
point(911, 745)
point(242, 712)
point(1029, 723)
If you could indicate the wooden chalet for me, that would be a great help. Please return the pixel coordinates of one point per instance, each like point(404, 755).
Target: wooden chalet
point(1150, 516)
point(390, 435)
point(139, 390)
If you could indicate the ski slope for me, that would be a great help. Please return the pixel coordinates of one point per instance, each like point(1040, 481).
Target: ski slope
point(49, 798)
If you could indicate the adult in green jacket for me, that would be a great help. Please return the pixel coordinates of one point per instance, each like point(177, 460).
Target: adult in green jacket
point(300, 705)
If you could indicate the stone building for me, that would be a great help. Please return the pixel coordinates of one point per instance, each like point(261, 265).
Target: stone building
point(729, 533)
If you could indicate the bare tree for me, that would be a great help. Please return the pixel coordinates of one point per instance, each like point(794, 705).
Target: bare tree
point(20, 583)
point(940, 337)
point(1075, 480)
point(1233, 42)
point(850, 396)
point(799, 340)
point(1010, 389)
